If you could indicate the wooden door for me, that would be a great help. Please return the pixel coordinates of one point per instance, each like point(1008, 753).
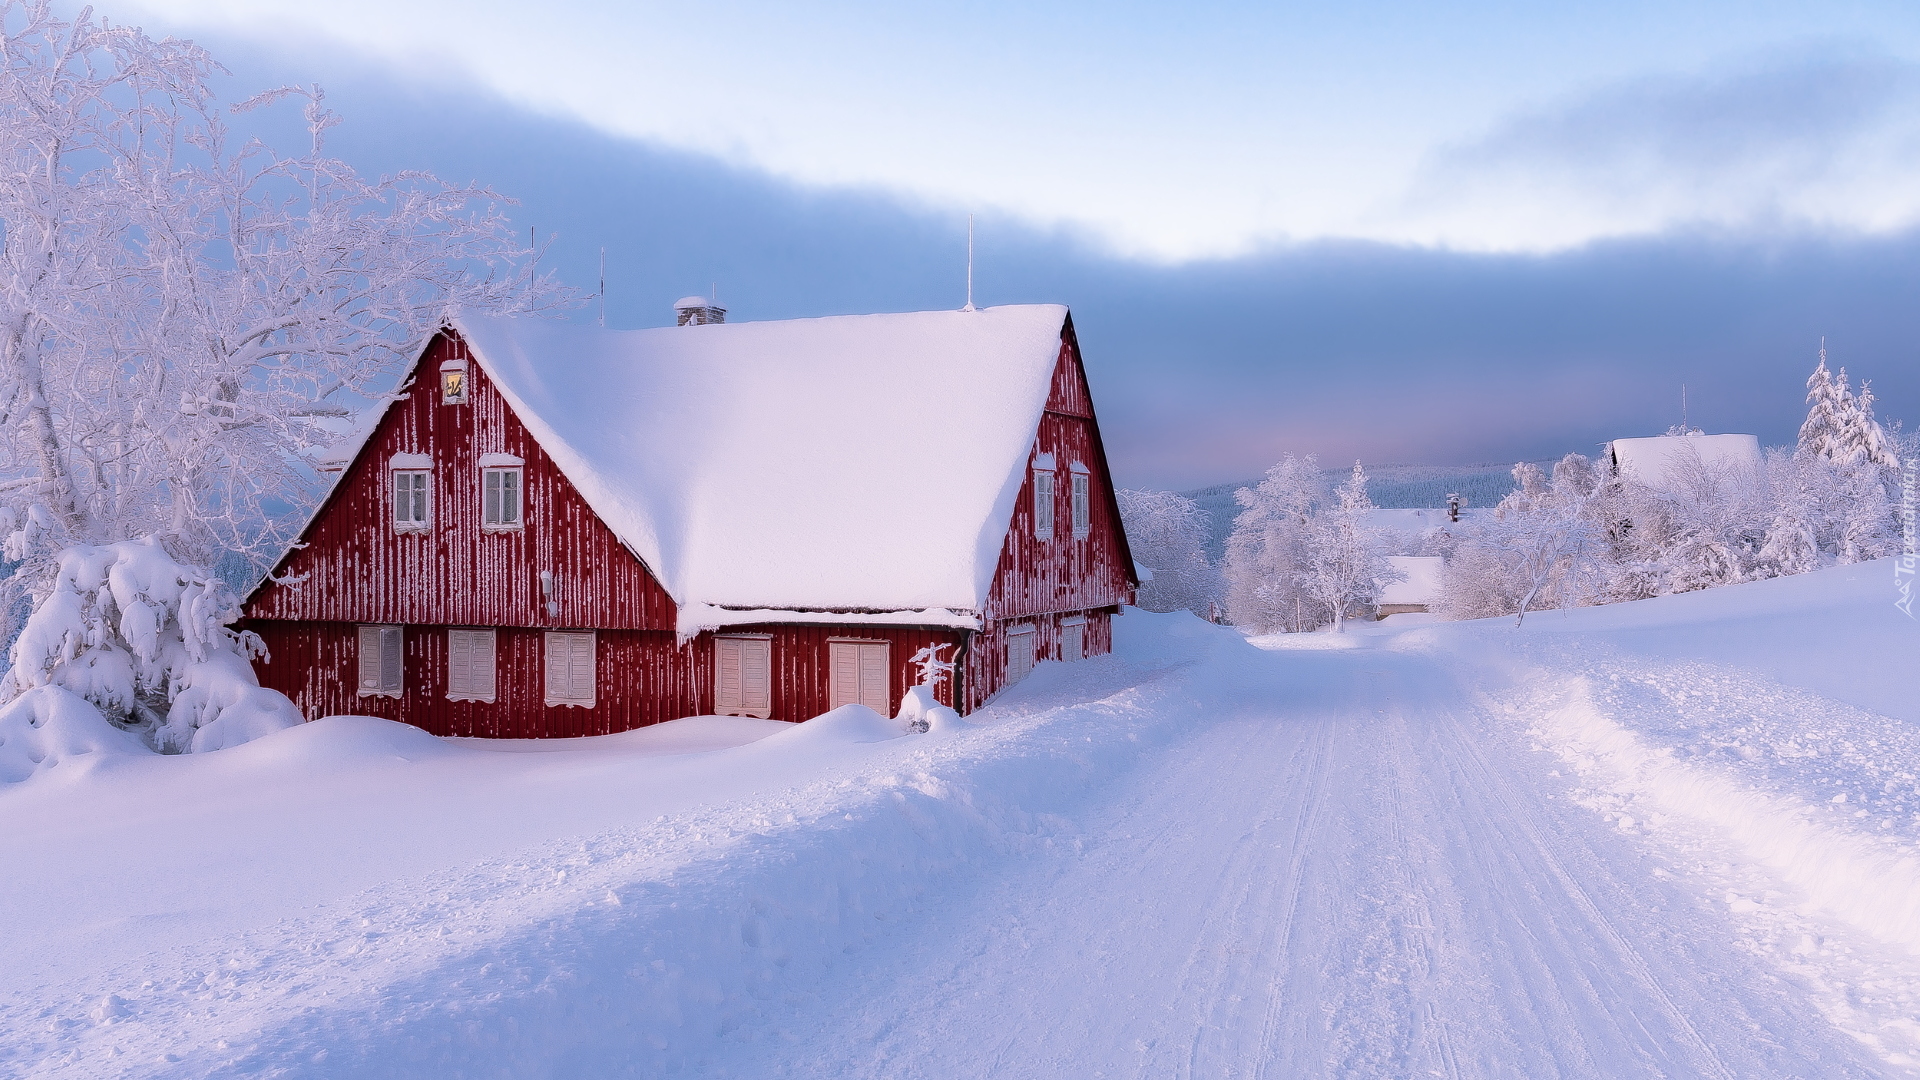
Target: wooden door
point(743, 676)
point(1073, 640)
point(1020, 654)
point(858, 673)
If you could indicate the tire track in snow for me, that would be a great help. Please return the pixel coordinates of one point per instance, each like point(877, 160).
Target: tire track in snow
point(1365, 880)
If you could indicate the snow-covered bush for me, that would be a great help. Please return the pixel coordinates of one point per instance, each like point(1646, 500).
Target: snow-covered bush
point(145, 641)
point(1168, 535)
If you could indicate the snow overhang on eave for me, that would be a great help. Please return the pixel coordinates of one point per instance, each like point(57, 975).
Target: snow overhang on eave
point(697, 618)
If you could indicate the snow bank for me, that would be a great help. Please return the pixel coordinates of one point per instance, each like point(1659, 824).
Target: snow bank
point(49, 726)
point(565, 914)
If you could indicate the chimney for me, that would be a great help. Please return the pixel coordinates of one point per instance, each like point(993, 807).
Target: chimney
point(698, 311)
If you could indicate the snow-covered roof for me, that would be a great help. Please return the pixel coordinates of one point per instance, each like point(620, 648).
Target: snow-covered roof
point(862, 463)
point(1660, 461)
point(1422, 584)
point(692, 302)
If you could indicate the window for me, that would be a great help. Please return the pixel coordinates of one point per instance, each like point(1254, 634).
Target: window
point(1019, 653)
point(380, 663)
point(470, 665)
point(500, 498)
point(857, 674)
point(412, 502)
point(743, 675)
point(1043, 505)
point(453, 382)
point(1073, 638)
point(1082, 508)
point(570, 669)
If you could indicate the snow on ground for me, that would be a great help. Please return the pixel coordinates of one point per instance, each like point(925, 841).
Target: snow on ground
point(1609, 843)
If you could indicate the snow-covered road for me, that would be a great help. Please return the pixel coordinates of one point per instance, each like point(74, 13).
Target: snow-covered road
point(1678, 838)
point(1384, 883)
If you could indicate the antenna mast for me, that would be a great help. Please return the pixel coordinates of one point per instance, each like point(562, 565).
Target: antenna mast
point(603, 288)
point(969, 306)
point(1683, 408)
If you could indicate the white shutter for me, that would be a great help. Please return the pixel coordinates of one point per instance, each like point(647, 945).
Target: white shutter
point(1019, 654)
point(582, 669)
point(470, 665)
point(873, 676)
point(570, 669)
point(742, 682)
point(459, 665)
point(369, 661)
point(727, 698)
point(756, 677)
point(843, 680)
point(390, 661)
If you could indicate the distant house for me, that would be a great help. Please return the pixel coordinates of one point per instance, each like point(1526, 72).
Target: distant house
point(1663, 462)
point(562, 530)
point(1419, 590)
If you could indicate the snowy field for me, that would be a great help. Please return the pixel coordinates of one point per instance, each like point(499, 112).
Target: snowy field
point(1670, 838)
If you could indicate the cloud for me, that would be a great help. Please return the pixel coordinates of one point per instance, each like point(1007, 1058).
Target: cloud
point(1208, 370)
point(1828, 136)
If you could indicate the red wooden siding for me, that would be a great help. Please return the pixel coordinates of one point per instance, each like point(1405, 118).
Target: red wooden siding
point(1065, 573)
point(986, 664)
point(801, 681)
point(641, 677)
point(358, 569)
point(354, 568)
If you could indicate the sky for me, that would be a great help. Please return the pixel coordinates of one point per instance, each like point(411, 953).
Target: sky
point(1438, 233)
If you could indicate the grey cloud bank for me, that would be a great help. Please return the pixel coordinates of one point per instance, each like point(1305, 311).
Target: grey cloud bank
point(1204, 371)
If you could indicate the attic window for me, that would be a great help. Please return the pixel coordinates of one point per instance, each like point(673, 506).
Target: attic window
point(453, 382)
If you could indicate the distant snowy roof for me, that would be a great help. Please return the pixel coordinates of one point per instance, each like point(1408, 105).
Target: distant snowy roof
point(1659, 461)
point(691, 302)
point(1422, 584)
point(864, 463)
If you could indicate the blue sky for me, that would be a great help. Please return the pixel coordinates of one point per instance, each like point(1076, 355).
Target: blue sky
point(1408, 232)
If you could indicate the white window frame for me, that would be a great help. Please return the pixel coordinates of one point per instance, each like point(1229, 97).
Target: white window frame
point(423, 497)
point(1081, 485)
point(448, 396)
point(1043, 504)
point(499, 522)
point(380, 661)
point(567, 645)
point(468, 679)
point(742, 652)
point(1073, 628)
point(1026, 637)
point(875, 692)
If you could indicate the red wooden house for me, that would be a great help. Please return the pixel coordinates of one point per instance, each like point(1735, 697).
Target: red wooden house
point(562, 530)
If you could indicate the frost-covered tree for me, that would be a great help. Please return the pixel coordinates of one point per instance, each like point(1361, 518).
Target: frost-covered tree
point(1346, 563)
point(1269, 549)
point(1168, 535)
point(183, 313)
point(1537, 548)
